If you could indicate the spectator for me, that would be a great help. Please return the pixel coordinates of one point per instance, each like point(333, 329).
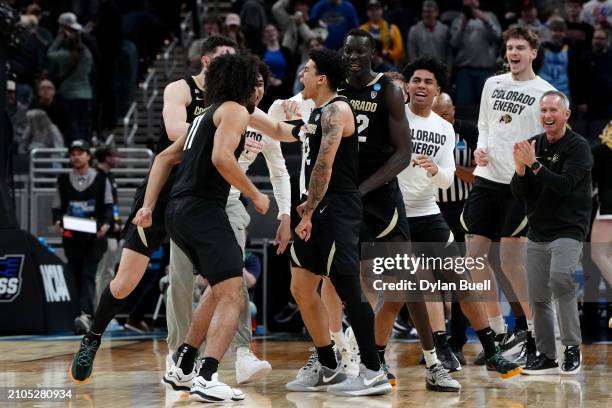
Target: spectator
point(597, 12)
point(529, 19)
point(16, 111)
point(594, 82)
point(388, 34)
point(280, 62)
point(474, 36)
point(40, 132)
point(557, 56)
point(298, 29)
point(73, 65)
point(398, 79)
point(54, 108)
point(83, 193)
point(429, 37)
point(339, 16)
point(211, 26)
point(579, 33)
point(254, 20)
point(312, 44)
point(232, 29)
point(379, 62)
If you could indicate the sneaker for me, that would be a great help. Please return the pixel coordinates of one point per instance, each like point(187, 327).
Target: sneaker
point(510, 344)
point(505, 368)
point(82, 324)
point(213, 390)
point(391, 377)
point(177, 380)
point(368, 382)
point(571, 360)
point(542, 365)
point(458, 355)
point(139, 327)
point(82, 363)
point(349, 362)
point(288, 312)
point(249, 368)
point(528, 352)
point(315, 377)
point(352, 341)
point(448, 359)
point(438, 379)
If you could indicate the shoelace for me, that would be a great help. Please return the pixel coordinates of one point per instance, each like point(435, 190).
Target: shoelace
point(312, 360)
point(502, 363)
point(440, 373)
point(572, 351)
point(87, 353)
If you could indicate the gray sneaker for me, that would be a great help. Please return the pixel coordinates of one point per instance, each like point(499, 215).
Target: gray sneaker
point(438, 379)
point(315, 377)
point(368, 382)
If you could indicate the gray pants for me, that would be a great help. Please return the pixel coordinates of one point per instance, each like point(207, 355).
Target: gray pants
point(106, 267)
point(550, 268)
point(179, 298)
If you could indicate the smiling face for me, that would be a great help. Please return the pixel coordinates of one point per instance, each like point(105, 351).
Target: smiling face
point(357, 54)
point(553, 114)
point(422, 88)
point(519, 54)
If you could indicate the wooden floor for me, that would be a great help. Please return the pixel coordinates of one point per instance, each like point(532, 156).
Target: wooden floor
point(128, 373)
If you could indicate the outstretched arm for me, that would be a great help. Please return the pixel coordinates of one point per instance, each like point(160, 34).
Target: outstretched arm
point(399, 136)
point(275, 129)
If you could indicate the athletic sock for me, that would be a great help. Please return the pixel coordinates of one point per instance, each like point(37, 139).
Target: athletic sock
point(108, 307)
point(381, 353)
point(441, 339)
point(498, 324)
point(186, 357)
point(431, 358)
point(530, 326)
point(339, 340)
point(487, 339)
point(210, 366)
point(521, 323)
point(327, 356)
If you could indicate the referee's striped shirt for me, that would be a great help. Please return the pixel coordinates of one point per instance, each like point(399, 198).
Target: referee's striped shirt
point(466, 138)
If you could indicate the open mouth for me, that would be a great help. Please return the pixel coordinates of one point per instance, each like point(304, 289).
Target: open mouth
point(515, 61)
point(549, 122)
point(420, 95)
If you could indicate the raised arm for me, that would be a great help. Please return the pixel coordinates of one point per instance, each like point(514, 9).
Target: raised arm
point(399, 136)
point(176, 98)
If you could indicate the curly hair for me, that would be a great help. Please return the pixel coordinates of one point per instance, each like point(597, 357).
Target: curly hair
point(231, 77)
point(436, 67)
point(329, 63)
point(210, 44)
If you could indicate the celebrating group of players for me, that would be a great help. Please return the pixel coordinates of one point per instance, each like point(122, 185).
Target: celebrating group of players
point(372, 167)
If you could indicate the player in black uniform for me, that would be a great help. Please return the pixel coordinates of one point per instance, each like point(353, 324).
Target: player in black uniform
point(327, 242)
point(183, 102)
point(197, 221)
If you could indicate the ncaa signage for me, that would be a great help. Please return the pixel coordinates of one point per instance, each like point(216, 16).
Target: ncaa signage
point(11, 267)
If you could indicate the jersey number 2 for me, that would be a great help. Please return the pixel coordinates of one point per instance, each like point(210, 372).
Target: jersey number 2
point(362, 124)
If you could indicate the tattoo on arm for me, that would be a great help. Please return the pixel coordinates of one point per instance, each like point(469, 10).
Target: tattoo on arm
point(331, 127)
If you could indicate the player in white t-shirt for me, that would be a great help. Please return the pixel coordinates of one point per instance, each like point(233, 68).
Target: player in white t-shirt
point(509, 113)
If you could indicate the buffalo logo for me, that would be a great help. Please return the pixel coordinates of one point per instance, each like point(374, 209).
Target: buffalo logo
point(555, 158)
point(373, 94)
point(10, 277)
point(506, 119)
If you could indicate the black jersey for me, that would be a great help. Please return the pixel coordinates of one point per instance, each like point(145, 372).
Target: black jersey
point(344, 168)
point(194, 109)
point(196, 175)
point(368, 103)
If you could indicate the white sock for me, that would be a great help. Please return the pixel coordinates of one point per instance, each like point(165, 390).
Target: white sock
point(498, 324)
point(431, 358)
point(339, 339)
point(242, 351)
point(530, 326)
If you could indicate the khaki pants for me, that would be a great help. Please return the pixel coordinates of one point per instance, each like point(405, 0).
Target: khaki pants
point(107, 265)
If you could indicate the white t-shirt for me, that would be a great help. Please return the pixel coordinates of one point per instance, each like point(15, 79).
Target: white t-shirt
point(433, 137)
point(594, 10)
point(509, 113)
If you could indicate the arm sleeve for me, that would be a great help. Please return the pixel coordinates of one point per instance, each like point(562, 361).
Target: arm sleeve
point(279, 176)
point(520, 185)
point(575, 169)
point(446, 166)
point(483, 118)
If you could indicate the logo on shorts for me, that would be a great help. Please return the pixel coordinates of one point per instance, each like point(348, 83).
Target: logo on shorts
point(10, 277)
point(506, 119)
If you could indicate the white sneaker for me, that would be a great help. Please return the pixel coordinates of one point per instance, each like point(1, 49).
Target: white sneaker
point(249, 368)
point(352, 341)
point(177, 380)
point(213, 390)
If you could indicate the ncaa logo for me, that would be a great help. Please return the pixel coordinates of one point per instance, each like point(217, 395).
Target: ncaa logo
point(10, 277)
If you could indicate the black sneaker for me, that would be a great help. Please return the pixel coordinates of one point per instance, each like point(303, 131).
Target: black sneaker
point(571, 360)
point(288, 312)
point(82, 364)
point(510, 344)
point(459, 355)
point(542, 365)
point(481, 359)
point(448, 359)
point(505, 368)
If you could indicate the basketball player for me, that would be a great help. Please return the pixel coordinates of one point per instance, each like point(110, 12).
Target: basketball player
point(509, 113)
point(327, 242)
point(198, 223)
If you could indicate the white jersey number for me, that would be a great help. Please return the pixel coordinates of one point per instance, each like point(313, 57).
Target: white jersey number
point(191, 132)
point(363, 121)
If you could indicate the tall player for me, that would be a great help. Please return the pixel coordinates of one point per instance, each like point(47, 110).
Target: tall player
point(197, 221)
point(509, 113)
point(327, 242)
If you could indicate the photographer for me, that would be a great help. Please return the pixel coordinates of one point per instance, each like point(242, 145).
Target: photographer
point(83, 193)
point(72, 63)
